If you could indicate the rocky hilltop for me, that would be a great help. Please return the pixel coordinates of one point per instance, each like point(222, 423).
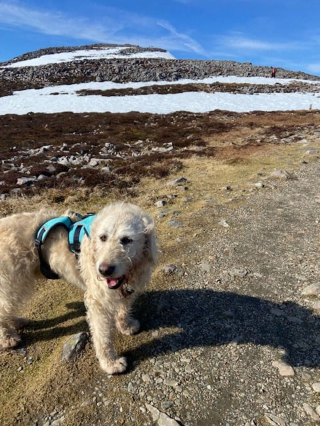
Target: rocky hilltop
point(122, 70)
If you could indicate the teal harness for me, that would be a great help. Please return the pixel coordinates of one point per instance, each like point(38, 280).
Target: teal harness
point(76, 232)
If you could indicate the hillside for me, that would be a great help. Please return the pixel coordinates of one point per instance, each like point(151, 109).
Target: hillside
point(230, 323)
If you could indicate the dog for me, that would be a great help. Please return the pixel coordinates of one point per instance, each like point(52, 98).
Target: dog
point(113, 266)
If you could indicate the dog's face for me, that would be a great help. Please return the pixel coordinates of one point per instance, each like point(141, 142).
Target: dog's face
point(122, 237)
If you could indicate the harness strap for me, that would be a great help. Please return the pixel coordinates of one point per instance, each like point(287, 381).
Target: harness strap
point(42, 234)
point(78, 230)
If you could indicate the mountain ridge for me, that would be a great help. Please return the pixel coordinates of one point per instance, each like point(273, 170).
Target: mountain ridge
point(128, 69)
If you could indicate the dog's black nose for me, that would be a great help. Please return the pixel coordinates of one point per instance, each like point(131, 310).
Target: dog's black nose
point(106, 270)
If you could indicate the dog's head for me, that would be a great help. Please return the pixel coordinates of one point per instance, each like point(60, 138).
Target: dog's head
point(123, 240)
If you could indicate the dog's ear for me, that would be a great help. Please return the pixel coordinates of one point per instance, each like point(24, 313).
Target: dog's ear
point(151, 250)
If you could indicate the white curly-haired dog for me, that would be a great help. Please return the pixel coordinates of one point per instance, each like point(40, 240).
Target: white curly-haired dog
point(113, 266)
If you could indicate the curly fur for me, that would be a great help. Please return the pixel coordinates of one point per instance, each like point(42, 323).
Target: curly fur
point(119, 256)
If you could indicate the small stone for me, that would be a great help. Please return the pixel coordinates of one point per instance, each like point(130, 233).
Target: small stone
point(274, 420)
point(284, 369)
point(42, 177)
point(175, 224)
point(316, 387)
point(130, 388)
point(74, 346)
point(259, 185)
point(177, 181)
point(146, 378)
point(281, 174)
point(172, 383)
point(26, 180)
point(224, 223)
point(310, 411)
point(277, 312)
point(165, 420)
point(155, 413)
point(311, 290)
point(170, 269)
point(238, 272)
point(295, 320)
point(107, 169)
point(160, 203)
point(166, 404)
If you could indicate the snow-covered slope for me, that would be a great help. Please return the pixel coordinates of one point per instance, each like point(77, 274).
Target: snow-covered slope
point(102, 53)
point(66, 97)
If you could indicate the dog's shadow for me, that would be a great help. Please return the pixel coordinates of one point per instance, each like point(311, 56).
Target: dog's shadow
point(210, 318)
point(207, 318)
point(47, 329)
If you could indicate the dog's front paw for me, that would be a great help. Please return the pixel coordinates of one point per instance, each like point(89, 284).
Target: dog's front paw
point(116, 366)
point(8, 341)
point(130, 327)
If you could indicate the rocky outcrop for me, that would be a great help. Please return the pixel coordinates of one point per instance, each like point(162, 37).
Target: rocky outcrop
point(122, 70)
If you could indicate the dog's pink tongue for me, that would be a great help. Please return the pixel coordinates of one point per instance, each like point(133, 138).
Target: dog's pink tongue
point(112, 282)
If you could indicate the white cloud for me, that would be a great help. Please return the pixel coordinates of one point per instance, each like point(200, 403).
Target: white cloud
point(55, 23)
point(114, 26)
point(239, 41)
point(314, 68)
point(186, 42)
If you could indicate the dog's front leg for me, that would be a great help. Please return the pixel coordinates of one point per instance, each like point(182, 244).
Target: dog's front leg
point(124, 321)
point(102, 326)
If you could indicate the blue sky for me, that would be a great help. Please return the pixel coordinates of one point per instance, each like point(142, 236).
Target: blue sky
point(281, 33)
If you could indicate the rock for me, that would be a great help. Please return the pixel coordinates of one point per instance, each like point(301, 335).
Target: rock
point(171, 269)
point(93, 162)
point(160, 418)
point(107, 169)
point(172, 383)
point(175, 224)
point(160, 203)
point(74, 346)
point(42, 177)
point(310, 411)
point(316, 387)
point(155, 413)
point(166, 404)
point(238, 272)
point(224, 223)
point(281, 174)
point(284, 369)
point(165, 420)
point(259, 185)
point(177, 181)
point(146, 378)
point(274, 420)
point(311, 290)
point(26, 180)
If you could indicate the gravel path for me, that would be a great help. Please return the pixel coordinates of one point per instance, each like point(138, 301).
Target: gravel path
point(233, 338)
point(236, 335)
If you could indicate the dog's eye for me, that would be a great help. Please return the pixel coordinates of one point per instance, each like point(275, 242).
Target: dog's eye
point(103, 238)
point(126, 240)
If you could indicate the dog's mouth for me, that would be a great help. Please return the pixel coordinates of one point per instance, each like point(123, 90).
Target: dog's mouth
point(114, 283)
